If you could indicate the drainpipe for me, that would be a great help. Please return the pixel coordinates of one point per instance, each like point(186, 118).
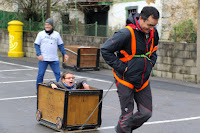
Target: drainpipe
point(96, 28)
point(198, 44)
point(77, 31)
point(19, 6)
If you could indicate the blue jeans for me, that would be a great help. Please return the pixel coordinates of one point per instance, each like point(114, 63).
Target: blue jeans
point(42, 69)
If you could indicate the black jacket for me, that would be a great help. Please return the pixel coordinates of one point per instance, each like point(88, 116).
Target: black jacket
point(139, 68)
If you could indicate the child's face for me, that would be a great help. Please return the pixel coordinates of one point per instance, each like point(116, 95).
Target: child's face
point(69, 79)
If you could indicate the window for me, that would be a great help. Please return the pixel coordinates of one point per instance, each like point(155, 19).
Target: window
point(131, 9)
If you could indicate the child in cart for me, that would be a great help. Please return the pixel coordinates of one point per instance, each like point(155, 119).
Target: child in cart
point(67, 82)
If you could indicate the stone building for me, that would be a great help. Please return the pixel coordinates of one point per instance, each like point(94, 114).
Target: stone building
point(113, 13)
point(174, 12)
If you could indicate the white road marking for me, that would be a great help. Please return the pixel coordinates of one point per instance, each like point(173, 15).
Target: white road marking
point(88, 79)
point(16, 98)
point(111, 90)
point(111, 127)
point(175, 120)
point(33, 68)
point(159, 122)
point(102, 128)
point(16, 64)
point(22, 81)
point(22, 65)
point(15, 70)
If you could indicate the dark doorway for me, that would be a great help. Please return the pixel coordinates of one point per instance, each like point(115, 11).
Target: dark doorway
point(99, 15)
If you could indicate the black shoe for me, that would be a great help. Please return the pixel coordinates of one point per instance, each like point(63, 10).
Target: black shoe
point(116, 129)
point(122, 129)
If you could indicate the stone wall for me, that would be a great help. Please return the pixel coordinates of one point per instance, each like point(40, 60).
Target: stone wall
point(8, 5)
point(4, 41)
point(175, 60)
point(175, 11)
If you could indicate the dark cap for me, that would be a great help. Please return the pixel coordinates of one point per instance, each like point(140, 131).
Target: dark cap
point(50, 21)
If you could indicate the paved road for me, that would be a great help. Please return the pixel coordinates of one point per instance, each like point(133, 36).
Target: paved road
point(176, 107)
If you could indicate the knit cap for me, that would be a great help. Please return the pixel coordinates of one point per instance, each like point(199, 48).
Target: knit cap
point(50, 21)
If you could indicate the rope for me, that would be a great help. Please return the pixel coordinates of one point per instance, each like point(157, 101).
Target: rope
point(96, 107)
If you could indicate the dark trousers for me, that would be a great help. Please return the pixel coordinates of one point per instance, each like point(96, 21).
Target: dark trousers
point(128, 120)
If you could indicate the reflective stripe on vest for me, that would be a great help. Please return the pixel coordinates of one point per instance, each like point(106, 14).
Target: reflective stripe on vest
point(128, 57)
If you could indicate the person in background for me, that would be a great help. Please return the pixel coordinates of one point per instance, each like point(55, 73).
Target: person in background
point(46, 44)
point(67, 82)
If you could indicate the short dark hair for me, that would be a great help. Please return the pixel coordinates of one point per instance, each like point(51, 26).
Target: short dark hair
point(149, 11)
point(65, 73)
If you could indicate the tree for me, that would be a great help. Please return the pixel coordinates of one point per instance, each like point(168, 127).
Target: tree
point(32, 8)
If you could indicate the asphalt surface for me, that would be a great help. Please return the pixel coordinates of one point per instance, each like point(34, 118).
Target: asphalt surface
point(176, 107)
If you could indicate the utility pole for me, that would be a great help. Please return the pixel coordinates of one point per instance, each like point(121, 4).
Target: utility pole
point(19, 6)
point(198, 44)
point(48, 9)
point(77, 30)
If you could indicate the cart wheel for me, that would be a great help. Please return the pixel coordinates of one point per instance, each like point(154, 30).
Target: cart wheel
point(59, 123)
point(38, 115)
point(64, 66)
point(97, 69)
point(76, 69)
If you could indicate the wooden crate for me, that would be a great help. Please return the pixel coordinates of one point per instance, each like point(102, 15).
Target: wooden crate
point(68, 109)
point(82, 57)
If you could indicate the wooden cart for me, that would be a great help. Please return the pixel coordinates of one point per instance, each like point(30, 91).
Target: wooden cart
point(68, 109)
point(82, 57)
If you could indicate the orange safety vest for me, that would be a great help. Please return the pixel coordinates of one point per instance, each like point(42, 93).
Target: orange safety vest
point(128, 57)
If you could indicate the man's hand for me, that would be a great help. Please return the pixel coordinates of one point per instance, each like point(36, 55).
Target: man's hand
point(66, 57)
point(125, 69)
point(40, 58)
point(53, 86)
point(151, 64)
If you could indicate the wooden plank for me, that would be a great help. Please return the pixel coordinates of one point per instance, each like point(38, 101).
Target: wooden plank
point(88, 56)
point(72, 61)
point(51, 103)
point(88, 51)
point(79, 109)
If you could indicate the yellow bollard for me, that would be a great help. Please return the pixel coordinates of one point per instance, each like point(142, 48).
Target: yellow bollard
point(15, 29)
